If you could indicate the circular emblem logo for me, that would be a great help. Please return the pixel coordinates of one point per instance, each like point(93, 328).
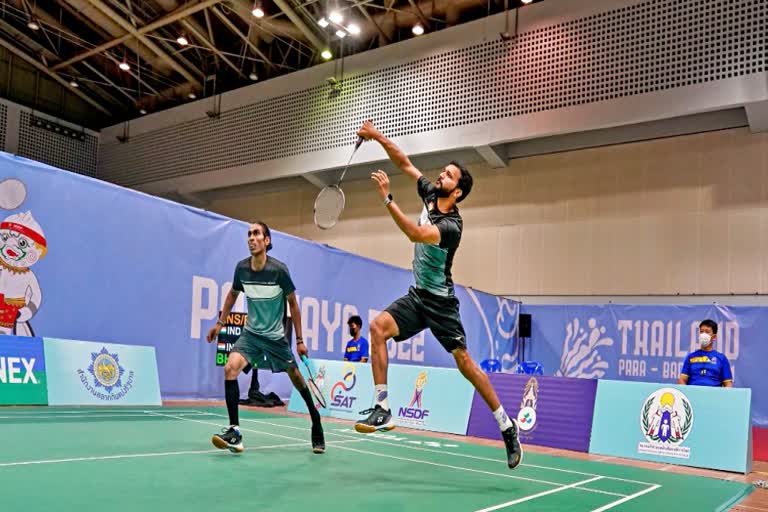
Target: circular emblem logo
point(666, 417)
point(526, 418)
point(106, 370)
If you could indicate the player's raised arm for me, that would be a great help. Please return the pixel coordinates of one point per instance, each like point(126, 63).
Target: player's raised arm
point(395, 154)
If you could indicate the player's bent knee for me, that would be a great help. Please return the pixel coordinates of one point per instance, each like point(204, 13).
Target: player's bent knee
point(382, 328)
point(234, 366)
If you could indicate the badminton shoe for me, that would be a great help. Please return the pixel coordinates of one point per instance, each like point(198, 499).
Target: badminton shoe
point(512, 444)
point(378, 419)
point(230, 439)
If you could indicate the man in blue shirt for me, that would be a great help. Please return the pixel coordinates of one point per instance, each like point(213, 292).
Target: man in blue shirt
point(357, 347)
point(707, 366)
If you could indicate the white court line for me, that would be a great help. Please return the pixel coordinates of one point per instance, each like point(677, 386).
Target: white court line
point(159, 454)
point(626, 499)
point(457, 454)
point(52, 410)
point(94, 416)
point(419, 461)
point(538, 495)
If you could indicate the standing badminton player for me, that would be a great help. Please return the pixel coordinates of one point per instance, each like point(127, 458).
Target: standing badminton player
point(267, 285)
point(432, 302)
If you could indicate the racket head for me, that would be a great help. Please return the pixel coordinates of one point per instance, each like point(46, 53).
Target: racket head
point(316, 392)
point(329, 204)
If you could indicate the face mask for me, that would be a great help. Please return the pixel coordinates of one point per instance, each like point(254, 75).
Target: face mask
point(704, 339)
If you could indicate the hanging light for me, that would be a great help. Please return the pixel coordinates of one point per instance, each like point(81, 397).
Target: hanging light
point(33, 25)
point(341, 34)
point(183, 41)
point(192, 96)
point(353, 29)
point(323, 22)
point(74, 84)
point(124, 66)
point(142, 112)
point(258, 12)
point(326, 54)
point(336, 17)
point(417, 30)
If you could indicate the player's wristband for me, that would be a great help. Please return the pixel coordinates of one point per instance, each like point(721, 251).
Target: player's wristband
point(299, 342)
point(388, 200)
point(219, 322)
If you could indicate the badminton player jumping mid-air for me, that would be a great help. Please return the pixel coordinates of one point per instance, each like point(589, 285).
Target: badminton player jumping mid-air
point(432, 302)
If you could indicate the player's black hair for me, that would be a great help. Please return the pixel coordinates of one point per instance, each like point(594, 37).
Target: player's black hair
point(709, 323)
point(354, 319)
point(465, 181)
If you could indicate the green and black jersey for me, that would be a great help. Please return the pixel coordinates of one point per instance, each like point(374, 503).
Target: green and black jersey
point(432, 262)
point(265, 292)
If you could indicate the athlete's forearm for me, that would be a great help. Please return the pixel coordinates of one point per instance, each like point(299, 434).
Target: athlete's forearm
point(295, 317)
point(405, 224)
point(398, 157)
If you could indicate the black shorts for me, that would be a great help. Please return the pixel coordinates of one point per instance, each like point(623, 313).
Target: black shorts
point(421, 309)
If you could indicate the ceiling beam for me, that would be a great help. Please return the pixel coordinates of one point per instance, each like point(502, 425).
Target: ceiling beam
point(199, 36)
point(420, 14)
point(128, 27)
point(368, 16)
point(233, 28)
point(108, 80)
point(43, 69)
point(296, 20)
point(166, 20)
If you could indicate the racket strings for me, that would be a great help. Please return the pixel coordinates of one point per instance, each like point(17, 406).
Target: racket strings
point(328, 206)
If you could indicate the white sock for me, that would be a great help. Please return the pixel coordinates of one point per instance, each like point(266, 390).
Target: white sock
point(236, 427)
point(381, 396)
point(502, 419)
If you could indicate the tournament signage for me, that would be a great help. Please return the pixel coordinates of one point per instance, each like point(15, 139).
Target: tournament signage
point(425, 398)
point(347, 388)
point(22, 371)
point(673, 424)
point(550, 411)
point(84, 373)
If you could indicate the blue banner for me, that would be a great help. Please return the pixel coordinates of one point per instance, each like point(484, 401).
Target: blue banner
point(88, 260)
point(688, 425)
point(648, 343)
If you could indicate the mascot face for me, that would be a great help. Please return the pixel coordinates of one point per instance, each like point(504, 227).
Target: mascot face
point(22, 243)
point(17, 250)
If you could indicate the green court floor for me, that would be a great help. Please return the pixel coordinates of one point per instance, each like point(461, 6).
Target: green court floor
point(142, 460)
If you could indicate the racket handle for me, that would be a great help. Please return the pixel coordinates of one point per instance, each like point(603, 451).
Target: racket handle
point(304, 359)
point(359, 141)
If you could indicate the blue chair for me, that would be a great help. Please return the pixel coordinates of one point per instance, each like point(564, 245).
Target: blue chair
point(530, 368)
point(491, 365)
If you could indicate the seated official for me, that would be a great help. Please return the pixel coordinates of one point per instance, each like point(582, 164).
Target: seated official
point(357, 347)
point(706, 366)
